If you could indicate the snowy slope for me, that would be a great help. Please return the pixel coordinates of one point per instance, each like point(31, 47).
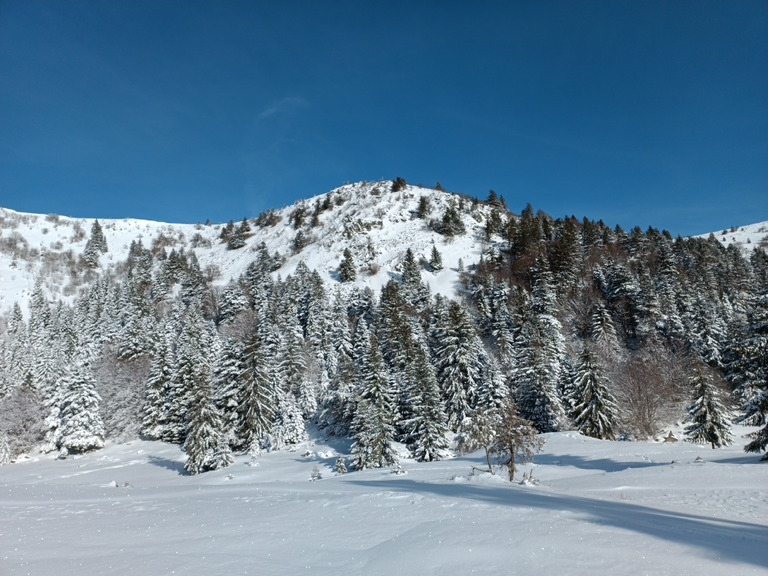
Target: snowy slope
point(376, 224)
point(746, 237)
point(600, 507)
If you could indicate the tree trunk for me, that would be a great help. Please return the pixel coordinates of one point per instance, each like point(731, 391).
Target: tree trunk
point(488, 458)
point(511, 466)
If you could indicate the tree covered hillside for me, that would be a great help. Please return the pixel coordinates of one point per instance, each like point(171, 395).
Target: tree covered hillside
point(568, 323)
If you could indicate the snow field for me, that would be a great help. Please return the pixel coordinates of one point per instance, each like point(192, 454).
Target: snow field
point(598, 507)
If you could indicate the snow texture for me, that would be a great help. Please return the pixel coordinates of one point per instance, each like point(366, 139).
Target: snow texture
point(587, 507)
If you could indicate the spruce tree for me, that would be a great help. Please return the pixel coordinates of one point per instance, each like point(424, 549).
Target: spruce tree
point(595, 412)
point(257, 396)
point(204, 444)
point(458, 363)
point(5, 450)
point(427, 428)
point(81, 426)
point(709, 420)
point(347, 272)
point(748, 372)
point(156, 395)
point(373, 428)
point(435, 260)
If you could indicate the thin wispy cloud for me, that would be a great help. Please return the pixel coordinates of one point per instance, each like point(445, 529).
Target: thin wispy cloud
point(283, 105)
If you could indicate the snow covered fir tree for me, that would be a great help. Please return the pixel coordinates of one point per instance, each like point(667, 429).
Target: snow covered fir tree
point(232, 338)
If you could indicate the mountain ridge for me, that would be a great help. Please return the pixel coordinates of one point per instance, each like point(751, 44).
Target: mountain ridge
point(356, 217)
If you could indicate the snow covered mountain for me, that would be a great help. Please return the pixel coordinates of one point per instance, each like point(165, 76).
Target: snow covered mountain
point(263, 362)
point(374, 223)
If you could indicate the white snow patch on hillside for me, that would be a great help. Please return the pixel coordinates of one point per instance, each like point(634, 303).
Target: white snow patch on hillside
point(599, 508)
point(746, 237)
point(377, 225)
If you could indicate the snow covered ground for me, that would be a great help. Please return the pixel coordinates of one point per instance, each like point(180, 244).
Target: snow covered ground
point(599, 508)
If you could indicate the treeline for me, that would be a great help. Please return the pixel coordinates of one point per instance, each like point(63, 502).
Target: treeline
point(579, 325)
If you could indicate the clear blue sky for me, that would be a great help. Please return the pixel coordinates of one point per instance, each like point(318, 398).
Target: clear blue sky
point(638, 113)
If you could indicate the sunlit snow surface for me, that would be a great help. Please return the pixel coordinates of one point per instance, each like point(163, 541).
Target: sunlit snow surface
point(599, 508)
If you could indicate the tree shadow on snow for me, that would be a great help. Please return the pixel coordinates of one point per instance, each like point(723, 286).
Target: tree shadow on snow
point(734, 540)
point(604, 464)
point(169, 464)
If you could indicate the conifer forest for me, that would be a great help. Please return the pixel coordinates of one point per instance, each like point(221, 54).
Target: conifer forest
point(555, 324)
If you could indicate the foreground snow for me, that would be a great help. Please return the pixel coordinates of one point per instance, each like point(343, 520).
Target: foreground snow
point(599, 508)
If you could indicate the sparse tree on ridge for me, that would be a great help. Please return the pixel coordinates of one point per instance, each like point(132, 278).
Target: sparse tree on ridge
point(347, 272)
point(435, 260)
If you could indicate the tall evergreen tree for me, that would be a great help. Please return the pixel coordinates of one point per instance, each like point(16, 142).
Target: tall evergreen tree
point(347, 271)
point(595, 412)
point(427, 428)
point(458, 363)
point(709, 420)
point(435, 260)
point(258, 395)
point(81, 426)
point(205, 444)
point(539, 360)
point(373, 426)
point(156, 396)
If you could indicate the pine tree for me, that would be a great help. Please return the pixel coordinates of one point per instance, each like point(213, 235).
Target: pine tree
point(435, 260)
point(347, 272)
point(373, 428)
point(709, 421)
point(96, 245)
point(458, 363)
point(81, 426)
point(288, 426)
point(257, 395)
point(340, 466)
point(5, 450)
point(427, 428)
point(156, 395)
point(539, 360)
point(191, 361)
point(748, 372)
point(205, 445)
point(595, 412)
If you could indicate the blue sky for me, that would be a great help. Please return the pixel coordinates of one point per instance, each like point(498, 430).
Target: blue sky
point(637, 113)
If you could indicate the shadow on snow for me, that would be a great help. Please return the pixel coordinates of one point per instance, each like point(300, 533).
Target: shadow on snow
point(734, 540)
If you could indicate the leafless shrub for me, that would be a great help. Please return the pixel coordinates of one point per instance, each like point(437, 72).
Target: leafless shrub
point(199, 242)
point(160, 242)
point(651, 388)
point(121, 387)
point(78, 233)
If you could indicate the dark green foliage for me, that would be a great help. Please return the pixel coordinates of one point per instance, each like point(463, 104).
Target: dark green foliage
point(347, 271)
point(373, 427)
point(709, 421)
point(96, 245)
point(398, 184)
point(595, 412)
point(300, 241)
point(450, 224)
point(424, 207)
point(435, 260)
